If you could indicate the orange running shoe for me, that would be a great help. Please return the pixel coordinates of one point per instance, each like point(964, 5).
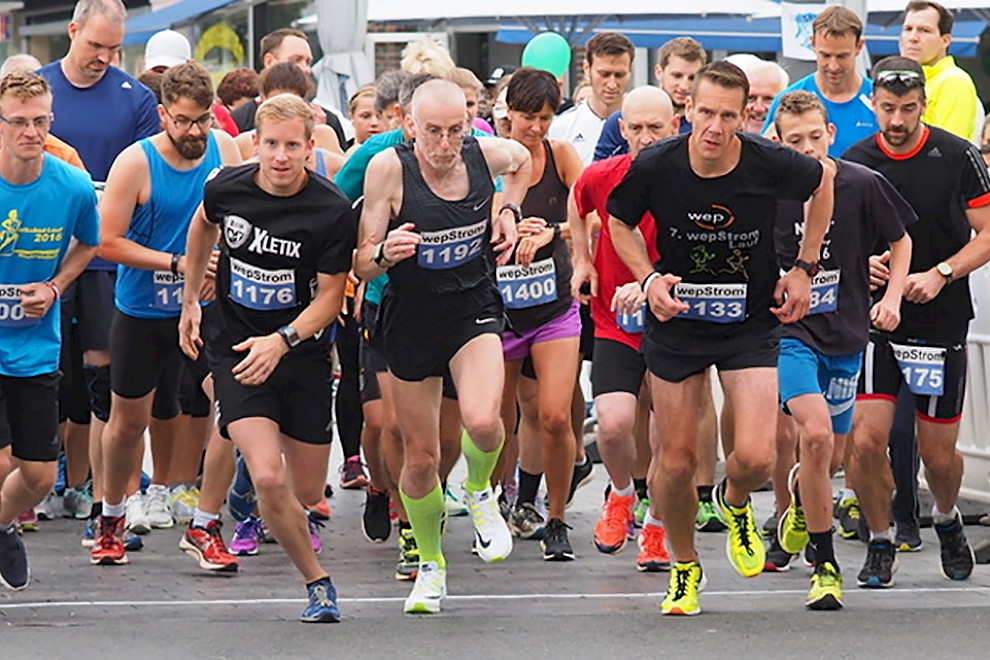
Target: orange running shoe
point(653, 555)
point(108, 545)
point(615, 526)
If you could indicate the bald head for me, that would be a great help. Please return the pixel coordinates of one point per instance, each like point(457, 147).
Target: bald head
point(436, 95)
point(19, 62)
point(647, 117)
point(648, 99)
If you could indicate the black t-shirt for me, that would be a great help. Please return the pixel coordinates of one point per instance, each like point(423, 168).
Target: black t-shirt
point(272, 249)
point(244, 114)
point(940, 179)
point(868, 211)
point(715, 233)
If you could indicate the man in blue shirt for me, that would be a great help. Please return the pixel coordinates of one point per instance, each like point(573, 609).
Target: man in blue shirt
point(44, 204)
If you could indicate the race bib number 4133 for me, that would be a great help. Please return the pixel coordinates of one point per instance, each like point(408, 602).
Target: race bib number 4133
point(528, 286)
point(11, 310)
point(923, 368)
point(450, 248)
point(262, 289)
point(715, 303)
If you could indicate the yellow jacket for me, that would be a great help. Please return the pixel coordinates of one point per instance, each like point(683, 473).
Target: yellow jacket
point(952, 99)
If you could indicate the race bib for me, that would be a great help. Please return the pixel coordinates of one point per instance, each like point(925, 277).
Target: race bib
point(633, 323)
point(923, 368)
point(262, 289)
point(168, 291)
point(11, 311)
point(450, 248)
point(824, 292)
point(523, 287)
point(715, 303)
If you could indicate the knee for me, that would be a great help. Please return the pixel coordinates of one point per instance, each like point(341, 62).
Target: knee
point(678, 465)
point(556, 423)
point(816, 444)
point(482, 427)
point(939, 461)
point(614, 429)
point(125, 429)
point(420, 463)
point(270, 484)
point(98, 386)
point(756, 464)
point(39, 477)
point(868, 441)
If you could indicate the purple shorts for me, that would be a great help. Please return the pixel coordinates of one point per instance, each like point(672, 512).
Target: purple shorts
point(568, 324)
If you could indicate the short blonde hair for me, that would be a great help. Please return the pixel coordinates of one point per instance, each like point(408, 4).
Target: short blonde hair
point(24, 85)
point(426, 56)
point(465, 79)
point(284, 107)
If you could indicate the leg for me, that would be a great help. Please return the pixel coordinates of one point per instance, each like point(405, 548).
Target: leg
point(787, 444)
point(753, 396)
point(450, 435)
point(124, 432)
point(943, 463)
point(868, 467)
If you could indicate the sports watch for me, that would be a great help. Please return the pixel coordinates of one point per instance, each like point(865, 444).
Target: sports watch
point(810, 267)
point(289, 336)
point(945, 270)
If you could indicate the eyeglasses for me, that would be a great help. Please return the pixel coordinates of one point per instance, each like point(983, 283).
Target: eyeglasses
point(906, 78)
point(20, 123)
point(453, 134)
point(184, 124)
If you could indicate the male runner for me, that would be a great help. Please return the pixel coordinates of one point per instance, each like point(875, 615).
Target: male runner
point(711, 293)
point(428, 220)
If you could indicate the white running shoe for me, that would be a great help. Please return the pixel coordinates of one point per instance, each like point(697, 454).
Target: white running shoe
point(492, 537)
point(156, 507)
point(183, 501)
point(137, 519)
point(429, 590)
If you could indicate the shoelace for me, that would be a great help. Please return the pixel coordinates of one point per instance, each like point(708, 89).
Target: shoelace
point(826, 577)
point(853, 511)
point(683, 576)
point(876, 558)
point(616, 515)
point(314, 525)
point(486, 511)
point(742, 531)
point(248, 528)
point(653, 543)
point(556, 532)
point(800, 524)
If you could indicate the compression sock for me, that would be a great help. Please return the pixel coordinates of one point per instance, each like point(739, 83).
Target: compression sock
point(425, 516)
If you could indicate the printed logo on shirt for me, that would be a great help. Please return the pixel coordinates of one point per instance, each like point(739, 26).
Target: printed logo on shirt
point(578, 138)
point(264, 243)
point(236, 231)
point(27, 242)
point(935, 153)
point(715, 218)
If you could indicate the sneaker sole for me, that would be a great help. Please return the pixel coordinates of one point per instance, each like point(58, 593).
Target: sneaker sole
point(907, 547)
point(611, 549)
point(20, 588)
point(876, 584)
point(368, 537)
point(559, 556)
point(142, 528)
point(195, 553)
point(244, 553)
point(828, 602)
point(711, 526)
point(108, 561)
point(323, 618)
point(653, 567)
point(423, 608)
point(403, 577)
point(972, 559)
point(771, 567)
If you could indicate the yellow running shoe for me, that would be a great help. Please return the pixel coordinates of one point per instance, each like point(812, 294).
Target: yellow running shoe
point(687, 580)
point(792, 529)
point(826, 588)
point(743, 545)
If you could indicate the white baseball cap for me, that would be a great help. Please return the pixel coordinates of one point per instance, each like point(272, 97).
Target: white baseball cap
point(166, 48)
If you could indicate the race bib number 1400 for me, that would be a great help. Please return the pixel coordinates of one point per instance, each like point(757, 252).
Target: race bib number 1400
point(528, 286)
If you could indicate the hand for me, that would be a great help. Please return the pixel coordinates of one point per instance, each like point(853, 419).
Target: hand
point(401, 243)
point(504, 236)
point(660, 297)
point(189, 339)
point(527, 248)
point(264, 354)
point(879, 273)
point(885, 315)
point(923, 287)
point(211, 265)
point(530, 227)
point(629, 298)
point(208, 292)
point(319, 114)
point(584, 271)
point(793, 294)
point(36, 299)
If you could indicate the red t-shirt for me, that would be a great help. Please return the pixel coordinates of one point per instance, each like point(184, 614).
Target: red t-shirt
point(226, 122)
point(590, 194)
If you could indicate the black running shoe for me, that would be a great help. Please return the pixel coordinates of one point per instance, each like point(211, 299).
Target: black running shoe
point(907, 537)
point(14, 570)
point(375, 522)
point(555, 544)
point(778, 560)
point(957, 555)
point(881, 564)
point(581, 477)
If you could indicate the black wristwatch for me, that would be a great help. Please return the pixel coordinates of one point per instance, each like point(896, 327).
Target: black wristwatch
point(516, 210)
point(810, 267)
point(555, 226)
point(289, 336)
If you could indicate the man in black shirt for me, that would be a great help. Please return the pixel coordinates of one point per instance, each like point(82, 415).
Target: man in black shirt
point(716, 297)
point(286, 250)
point(944, 179)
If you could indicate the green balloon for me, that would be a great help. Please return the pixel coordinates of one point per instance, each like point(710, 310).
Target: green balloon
point(548, 51)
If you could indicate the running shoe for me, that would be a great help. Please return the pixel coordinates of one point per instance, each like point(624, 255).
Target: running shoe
point(136, 516)
point(826, 588)
point(770, 525)
point(322, 607)
point(157, 508)
point(182, 501)
point(555, 544)
point(957, 555)
point(88, 533)
point(322, 510)
point(108, 547)
point(792, 531)
point(15, 572)
point(582, 475)
point(132, 542)
point(881, 564)
point(639, 513)
point(315, 526)
point(526, 522)
point(44, 509)
point(27, 521)
point(494, 540)
point(242, 501)
point(265, 535)
point(206, 546)
point(707, 520)
point(352, 476)
point(77, 503)
point(408, 564)
point(687, 580)
point(778, 560)
point(247, 537)
point(375, 524)
point(429, 591)
point(743, 545)
point(653, 556)
point(615, 524)
point(850, 516)
point(455, 507)
point(907, 537)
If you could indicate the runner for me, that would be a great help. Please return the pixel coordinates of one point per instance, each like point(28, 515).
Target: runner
point(713, 193)
point(288, 235)
point(443, 309)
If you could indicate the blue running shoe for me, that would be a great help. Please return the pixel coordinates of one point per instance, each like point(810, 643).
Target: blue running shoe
point(322, 606)
point(241, 499)
point(60, 484)
point(133, 542)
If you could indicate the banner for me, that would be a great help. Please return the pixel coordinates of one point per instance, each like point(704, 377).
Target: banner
point(795, 29)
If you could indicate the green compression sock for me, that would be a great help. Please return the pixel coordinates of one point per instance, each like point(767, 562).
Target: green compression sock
point(425, 516)
point(480, 464)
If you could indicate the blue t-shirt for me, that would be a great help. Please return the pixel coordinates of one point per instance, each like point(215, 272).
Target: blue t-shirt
point(611, 143)
point(854, 119)
point(37, 221)
point(161, 224)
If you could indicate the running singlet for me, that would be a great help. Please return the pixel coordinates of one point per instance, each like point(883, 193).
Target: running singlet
point(590, 194)
point(941, 178)
point(37, 221)
point(161, 224)
point(868, 211)
point(715, 233)
point(540, 292)
point(273, 248)
point(455, 253)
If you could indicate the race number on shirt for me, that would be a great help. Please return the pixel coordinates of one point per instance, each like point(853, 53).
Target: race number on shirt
point(262, 289)
point(633, 323)
point(11, 312)
point(450, 248)
point(523, 286)
point(824, 292)
point(715, 303)
point(168, 291)
point(923, 368)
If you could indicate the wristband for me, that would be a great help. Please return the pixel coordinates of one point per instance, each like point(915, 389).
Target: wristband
point(55, 289)
point(556, 229)
point(649, 280)
point(174, 266)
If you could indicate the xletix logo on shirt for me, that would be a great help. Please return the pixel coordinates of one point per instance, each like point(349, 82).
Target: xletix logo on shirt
point(714, 218)
point(237, 231)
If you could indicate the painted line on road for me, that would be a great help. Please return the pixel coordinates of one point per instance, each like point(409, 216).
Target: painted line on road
point(463, 597)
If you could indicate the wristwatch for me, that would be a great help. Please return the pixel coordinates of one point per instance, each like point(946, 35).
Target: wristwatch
point(289, 336)
point(945, 270)
point(516, 210)
point(380, 259)
point(810, 267)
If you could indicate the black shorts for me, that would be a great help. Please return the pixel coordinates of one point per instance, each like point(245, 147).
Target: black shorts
point(29, 416)
point(587, 344)
point(73, 397)
point(192, 399)
point(673, 357)
point(616, 367)
point(146, 357)
point(422, 336)
point(371, 358)
point(296, 396)
point(937, 375)
point(94, 308)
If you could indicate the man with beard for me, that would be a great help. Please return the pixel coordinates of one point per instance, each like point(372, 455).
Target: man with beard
point(153, 189)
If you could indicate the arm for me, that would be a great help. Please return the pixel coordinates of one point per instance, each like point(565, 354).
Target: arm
point(510, 160)
point(202, 236)
point(230, 153)
point(37, 298)
point(886, 313)
point(924, 287)
point(583, 266)
point(632, 251)
point(325, 138)
point(382, 196)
